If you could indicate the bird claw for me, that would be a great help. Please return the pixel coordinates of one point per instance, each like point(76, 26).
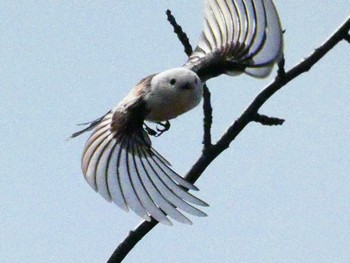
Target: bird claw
point(165, 125)
point(159, 131)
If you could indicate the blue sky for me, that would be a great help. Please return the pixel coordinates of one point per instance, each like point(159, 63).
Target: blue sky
point(276, 195)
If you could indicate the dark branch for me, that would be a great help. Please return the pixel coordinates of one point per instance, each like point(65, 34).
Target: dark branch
point(281, 71)
point(266, 120)
point(248, 115)
point(347, 38)
point(232, 132)
point(208, 118)
point(131, 240)
point(180, 34)
point(207, 109)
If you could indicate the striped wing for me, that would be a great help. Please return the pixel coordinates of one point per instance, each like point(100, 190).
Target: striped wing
point(129, 172)
point(238, 36)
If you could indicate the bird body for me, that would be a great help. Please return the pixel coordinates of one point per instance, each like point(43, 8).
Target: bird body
point(239, 36)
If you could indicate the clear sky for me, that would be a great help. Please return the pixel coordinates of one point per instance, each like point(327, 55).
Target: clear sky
point(276, 195)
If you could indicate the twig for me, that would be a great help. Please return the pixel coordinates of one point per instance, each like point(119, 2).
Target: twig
point(208, 118)
point(207, 109)
point(180, 34)
point(266, 120)
point(281, 71)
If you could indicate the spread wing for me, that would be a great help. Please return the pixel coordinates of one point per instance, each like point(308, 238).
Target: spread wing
point(119, 163)
point(239, 36)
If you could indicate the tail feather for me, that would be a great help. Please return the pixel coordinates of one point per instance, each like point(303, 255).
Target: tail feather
point(91, 126)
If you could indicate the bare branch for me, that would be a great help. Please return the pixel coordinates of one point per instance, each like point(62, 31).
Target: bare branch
point(281, 71)
point(232, 132)
point(266, 120)
point(131, 240)
point(180, 34)
point(207, 109)
point(248, 115)
point(347, 38)
point(208, 118)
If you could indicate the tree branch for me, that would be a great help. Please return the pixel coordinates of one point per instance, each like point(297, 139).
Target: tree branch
point(208, 118)
point(207, 109)
point(248, 115)
point(266, 120)
point(233, 131)
point(131, 240)
point(180, 33)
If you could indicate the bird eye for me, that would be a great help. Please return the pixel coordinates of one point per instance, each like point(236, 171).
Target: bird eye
point(172, 81)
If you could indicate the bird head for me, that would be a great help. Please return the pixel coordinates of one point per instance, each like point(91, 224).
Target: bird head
point(172, 93)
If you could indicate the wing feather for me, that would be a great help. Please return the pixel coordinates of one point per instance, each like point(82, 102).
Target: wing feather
point(142, 193)
point(101, 168)
point(155, 193)
point(125, 169)
point(92, 155)
point(113, 180)
point(272, 36)
point(128, 189)
point(161, 170)
point(174, 194)
point(238, 36)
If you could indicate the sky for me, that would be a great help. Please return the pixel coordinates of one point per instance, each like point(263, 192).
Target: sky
point(278, 194)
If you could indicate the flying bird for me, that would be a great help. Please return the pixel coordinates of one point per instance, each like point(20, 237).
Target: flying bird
point(118, 161)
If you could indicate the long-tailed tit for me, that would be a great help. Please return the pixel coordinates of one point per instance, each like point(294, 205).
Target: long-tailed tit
point(239, 36)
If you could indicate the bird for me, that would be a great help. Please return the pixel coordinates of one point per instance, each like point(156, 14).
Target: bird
point(118, 160)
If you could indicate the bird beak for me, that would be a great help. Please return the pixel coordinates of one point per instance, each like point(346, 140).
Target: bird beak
point(187, 86)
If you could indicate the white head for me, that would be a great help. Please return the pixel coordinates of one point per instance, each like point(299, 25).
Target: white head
point(172, 93)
